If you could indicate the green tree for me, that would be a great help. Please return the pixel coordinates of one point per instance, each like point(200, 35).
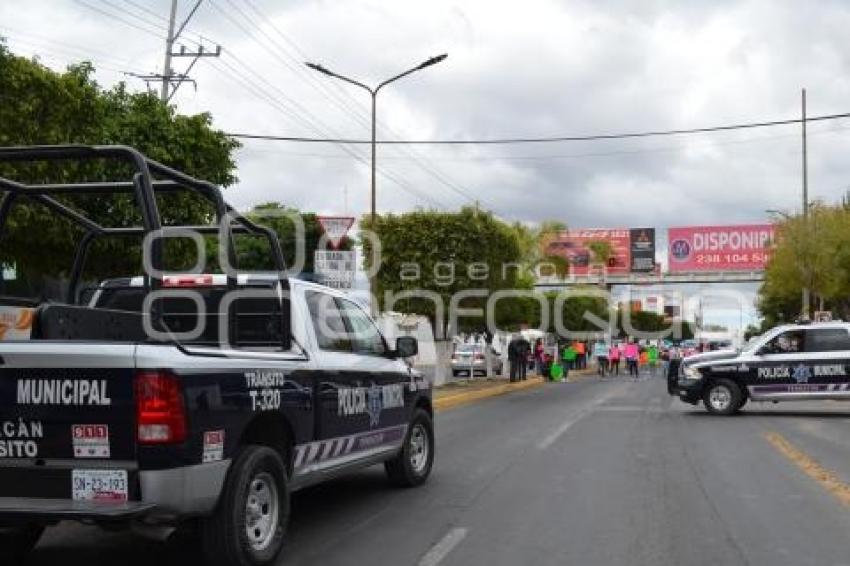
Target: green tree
point(601, 250)
point(40, 106)
point(576, 312)
point(814, 253)
point(534, 245)
point(445, 253)
point(253, 252)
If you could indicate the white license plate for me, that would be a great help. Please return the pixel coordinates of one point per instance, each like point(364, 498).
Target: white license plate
point(99, 485)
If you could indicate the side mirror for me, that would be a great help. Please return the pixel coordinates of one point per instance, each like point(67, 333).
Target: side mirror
point(406, 347)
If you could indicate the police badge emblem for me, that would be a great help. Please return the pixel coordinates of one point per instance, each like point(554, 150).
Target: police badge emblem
point(375, 404)
point(802, 373)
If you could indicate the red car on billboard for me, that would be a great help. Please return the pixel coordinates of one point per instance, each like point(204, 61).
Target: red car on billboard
point(573, 245)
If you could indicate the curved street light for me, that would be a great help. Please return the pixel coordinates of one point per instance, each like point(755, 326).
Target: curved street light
point(374, 94)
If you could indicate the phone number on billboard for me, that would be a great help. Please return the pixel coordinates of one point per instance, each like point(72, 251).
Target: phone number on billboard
point(710, 259)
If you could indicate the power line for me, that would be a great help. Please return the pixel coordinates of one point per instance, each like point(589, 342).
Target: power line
point(555, 139)
point(547, 157)
point(148, 11)
point(119, 19)
point(295, 65)
point(303, 115)
point(44, 47)
point(358, 111)
point(247, 82)
point(154, 24)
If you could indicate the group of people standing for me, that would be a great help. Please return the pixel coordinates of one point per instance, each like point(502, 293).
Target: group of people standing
point(635, 355)
point(574, 355)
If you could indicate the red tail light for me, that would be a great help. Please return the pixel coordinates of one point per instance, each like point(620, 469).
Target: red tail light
point(479, 356)
point(160, 410)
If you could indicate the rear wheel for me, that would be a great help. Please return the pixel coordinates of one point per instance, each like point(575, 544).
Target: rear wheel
point(723, 397)
point(17, 541)
point(249, 523)
point(413, 464)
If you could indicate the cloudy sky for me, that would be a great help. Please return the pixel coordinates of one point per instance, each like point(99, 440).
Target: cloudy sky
point(535, 68)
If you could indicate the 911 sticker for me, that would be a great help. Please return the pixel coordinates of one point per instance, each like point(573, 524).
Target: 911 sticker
point(90, 441)
point(213, 446)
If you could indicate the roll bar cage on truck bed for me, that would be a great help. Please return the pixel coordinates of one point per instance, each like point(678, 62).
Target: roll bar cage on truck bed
point(144, 187)
point(104, 421)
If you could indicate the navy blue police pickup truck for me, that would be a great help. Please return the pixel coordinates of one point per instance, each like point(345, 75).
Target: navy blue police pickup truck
point(797, 362)
point(198, 400)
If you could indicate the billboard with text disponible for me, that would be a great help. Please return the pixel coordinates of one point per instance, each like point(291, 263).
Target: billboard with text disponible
point(719, 248)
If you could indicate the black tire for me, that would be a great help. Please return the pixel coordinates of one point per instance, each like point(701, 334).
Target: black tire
point(17, 541)
point(258, 478)
point(723, 397)
point(411, 468)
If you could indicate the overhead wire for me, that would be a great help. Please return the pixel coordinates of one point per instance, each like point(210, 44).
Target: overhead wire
point(554, 139)
point(341, 100)
point(121, 19)
point(311, 121)
point(545, 157)
point(49, 47)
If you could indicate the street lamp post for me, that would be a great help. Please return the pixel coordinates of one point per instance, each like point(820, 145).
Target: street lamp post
point(374, 94)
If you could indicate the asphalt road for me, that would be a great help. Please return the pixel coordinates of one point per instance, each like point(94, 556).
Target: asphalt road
point(607, 473)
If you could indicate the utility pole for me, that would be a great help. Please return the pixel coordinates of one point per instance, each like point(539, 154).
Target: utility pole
point(169, 45)
point(807, 274)
point(171, 81)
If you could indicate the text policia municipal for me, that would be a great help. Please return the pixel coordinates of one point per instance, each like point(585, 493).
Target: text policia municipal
point(63, 392)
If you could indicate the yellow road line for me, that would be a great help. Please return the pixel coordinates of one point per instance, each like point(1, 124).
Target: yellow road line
point(827, 479)
point(451, 401)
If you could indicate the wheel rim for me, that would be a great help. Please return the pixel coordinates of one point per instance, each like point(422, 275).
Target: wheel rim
point(262, 511)
point(419, 448)
point(720, 397)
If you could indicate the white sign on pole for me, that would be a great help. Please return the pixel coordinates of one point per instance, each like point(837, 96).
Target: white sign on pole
point(336, 227)
point(9, 273)
point(823, 316)
point(335, 268)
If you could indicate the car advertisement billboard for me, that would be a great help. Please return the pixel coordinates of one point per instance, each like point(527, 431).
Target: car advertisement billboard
point(574, 245)
point(719, 248)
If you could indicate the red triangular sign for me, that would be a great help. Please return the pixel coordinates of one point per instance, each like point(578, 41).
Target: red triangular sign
point(336, 227)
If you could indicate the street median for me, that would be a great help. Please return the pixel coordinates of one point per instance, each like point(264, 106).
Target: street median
point(463, 393)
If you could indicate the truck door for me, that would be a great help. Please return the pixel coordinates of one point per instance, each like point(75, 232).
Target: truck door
point(388, 375)
point(802, 363)
point(359, 390)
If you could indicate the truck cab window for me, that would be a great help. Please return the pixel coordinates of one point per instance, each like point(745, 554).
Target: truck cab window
point(827, 340)
point(259, 323)
point(331, 332)
point(365, 337)
point(790, 342)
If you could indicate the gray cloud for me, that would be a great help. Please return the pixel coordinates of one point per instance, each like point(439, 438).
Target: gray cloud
point(539, 68)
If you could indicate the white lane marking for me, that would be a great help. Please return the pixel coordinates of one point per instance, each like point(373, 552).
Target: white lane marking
point(442, 549)
point(572, 419)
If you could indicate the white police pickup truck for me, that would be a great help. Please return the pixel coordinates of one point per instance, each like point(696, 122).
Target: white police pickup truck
point(799, 362)
point(198, 400)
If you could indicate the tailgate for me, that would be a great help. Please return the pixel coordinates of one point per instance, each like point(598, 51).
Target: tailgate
point(67, 420)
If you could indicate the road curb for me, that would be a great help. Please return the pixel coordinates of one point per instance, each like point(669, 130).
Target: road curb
point(458, 399)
